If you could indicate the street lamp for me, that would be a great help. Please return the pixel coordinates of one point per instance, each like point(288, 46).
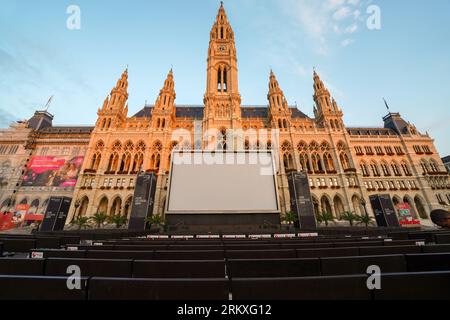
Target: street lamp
point(77, 205)
point(364, 203)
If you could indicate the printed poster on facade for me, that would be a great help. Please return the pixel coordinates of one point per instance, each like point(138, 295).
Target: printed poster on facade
point(52, 172)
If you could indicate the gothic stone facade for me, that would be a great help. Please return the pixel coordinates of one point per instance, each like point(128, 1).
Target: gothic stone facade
point(345, 165)
point(36, 137)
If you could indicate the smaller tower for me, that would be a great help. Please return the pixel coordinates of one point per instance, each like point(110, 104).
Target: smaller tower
point(163, 113)
point(115, 109)
point(279, 113)
point(326, 110)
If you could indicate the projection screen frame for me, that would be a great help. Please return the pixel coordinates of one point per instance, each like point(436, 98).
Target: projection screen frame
point(222, 212)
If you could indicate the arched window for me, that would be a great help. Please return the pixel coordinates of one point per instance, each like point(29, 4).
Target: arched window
point(434, 166)
point(374, 167)
point(364, 169)
point(304, 162)
point(125, 163)
point(225, 81)
point(385, 168)
point(137, 162)
point(424, 166)
point(406, 169)
point(396, 169)
point(96, 159)
point(317, 165)
point(113, 163)
point(116, 207)
point(219, 79)
point(222, 140)
point(328, 161)
point(345, 162)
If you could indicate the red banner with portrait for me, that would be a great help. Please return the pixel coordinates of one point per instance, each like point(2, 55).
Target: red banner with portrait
point(52, 172)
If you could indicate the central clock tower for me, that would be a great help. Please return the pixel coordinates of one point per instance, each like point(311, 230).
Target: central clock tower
point(222, 99)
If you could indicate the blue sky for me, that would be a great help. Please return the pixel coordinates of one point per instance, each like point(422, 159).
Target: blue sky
point(407, 61)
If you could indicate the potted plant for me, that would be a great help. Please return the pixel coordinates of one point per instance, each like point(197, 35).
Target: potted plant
point(290, 218)
point(366, 220)
point(350, 217)
point(157, 221)
point(99, 219)
point(325, 217)
point(81, 222)
point(118, 220)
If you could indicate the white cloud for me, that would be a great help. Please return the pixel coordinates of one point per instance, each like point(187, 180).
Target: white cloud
point(351, 29)
point(342, 13)
point(323, 20)
point(347, 42)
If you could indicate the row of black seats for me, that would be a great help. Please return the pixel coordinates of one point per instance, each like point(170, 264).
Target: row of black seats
point(432, 236)
point(145, 246)
point(232, 268)
point(240, 254)
point(403, 286)
point(26, 243)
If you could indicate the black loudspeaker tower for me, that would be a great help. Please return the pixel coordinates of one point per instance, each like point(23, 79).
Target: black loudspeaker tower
point(62, 214)
point(384, 210)
point(51, 214)
point(301, 200)
point(143, 201)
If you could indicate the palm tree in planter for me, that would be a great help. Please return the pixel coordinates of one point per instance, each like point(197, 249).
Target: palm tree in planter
point(118, 220)
point(365, 220)
point(81, 222)
point(156, 220)
point(325, 217)
point(290, 218)
point(99, 219)
point(350, 217)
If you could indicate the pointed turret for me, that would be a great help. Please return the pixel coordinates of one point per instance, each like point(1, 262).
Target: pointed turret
point(279, 113)
point(115, 109)
point(167, 94)
point(164, 111)
point(326, 110)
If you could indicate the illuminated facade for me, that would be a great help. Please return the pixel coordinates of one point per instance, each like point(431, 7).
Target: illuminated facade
point(345, 165)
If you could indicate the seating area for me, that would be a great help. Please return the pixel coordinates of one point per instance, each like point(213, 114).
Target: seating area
point(124, 266)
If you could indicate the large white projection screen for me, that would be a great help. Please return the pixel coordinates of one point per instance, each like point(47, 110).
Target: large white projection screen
point(209, 183)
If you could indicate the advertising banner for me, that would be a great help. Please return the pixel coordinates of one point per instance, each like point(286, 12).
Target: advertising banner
point(52, 172)
point(406, 218)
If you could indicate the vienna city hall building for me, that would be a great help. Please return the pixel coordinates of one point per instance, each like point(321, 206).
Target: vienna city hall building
point(345, 165)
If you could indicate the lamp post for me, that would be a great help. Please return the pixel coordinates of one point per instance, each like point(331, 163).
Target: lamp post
point(363, 203)
point(77, 205)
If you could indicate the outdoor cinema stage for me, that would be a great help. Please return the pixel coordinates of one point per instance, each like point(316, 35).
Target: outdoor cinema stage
point(222, 189)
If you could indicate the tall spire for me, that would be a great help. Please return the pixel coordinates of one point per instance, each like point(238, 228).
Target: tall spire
point(167, 94)
point(222, 99)
point(221, 29)
point(119, 94)
point(326, 110)
point(278, 107)
point(115, 108)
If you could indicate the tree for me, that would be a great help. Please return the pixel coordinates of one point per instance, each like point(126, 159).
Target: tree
point(118, 220)
point(156, 220)
point(99, 219)
point(290, 218)
point(325, 217)
point(81, 222)
point(350, 217)
point(365, 219)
